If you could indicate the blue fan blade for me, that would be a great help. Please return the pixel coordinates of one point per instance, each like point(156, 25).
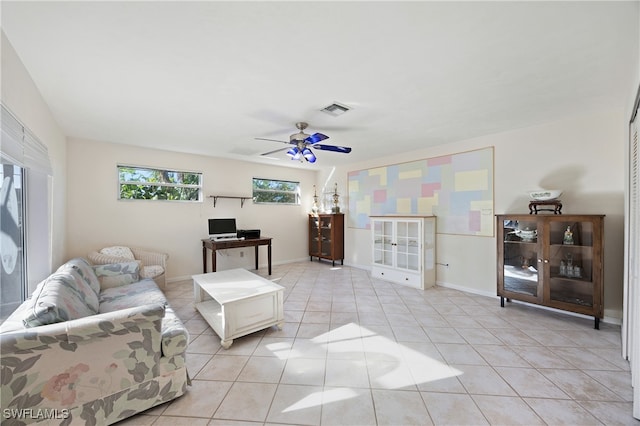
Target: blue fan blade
point(316, 137)
point(344, 149)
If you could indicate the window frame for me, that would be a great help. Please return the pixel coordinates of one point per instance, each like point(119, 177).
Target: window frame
point(295, 192)
point(198, 186)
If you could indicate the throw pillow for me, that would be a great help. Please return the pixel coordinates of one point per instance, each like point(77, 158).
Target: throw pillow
point(118, 251)
point(117, 274)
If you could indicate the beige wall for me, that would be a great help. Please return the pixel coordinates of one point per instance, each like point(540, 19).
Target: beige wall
point(21, 96)
point(583, 155)
point(97, 218)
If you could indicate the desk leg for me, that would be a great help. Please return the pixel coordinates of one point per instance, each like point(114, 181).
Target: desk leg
point(256, 257)
point(269, 256)
point(204, 259)
point(213, 260)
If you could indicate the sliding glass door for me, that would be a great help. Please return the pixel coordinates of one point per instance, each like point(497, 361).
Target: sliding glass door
point(12, 267)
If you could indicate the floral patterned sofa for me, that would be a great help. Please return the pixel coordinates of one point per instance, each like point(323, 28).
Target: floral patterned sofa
point(93, 345)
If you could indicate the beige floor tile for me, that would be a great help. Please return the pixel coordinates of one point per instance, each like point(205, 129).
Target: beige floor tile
point(453, 409)
point(304, 371)
point(390, 375)
point(478, 336)
point(584, 360)
point(616, 381)
point(204, 344)
point(396, 407)
point(501, 356)
point(348, 373)
point(483, 380)
point(278, 347)
point(460, 354)
point(201, 399)
point(175, 420)
point(578, 385)
point(195, 362)
point(529, 382)
point(505, 410)
point(541, 357)
point(247, 401)
point(444, 335)
point(611, 413)
point(409, 334)
point(561, 412)
point(347, 406)
point(262, 370)
point(299, 405)
point(397, 343)
point(223, 367)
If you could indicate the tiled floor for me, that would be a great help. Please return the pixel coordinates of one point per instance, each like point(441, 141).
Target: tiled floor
point(358, 351)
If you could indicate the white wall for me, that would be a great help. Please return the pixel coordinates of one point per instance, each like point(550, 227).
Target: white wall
point(21, 96)
point(97, 218)
point(582, 155)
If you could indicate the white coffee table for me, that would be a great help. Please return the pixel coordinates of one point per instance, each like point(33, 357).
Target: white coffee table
point(237, 302)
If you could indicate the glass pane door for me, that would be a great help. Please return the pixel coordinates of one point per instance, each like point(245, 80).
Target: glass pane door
point(13, 282)
point(382, 242)
point(521, 256)
point(408, 250)
point(325, 236)
point(571, 262)
point(314, 235)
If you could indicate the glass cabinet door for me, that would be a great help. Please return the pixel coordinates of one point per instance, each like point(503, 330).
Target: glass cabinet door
point(314, 235)
point(325, 236)
point(407, 248)
point(521, 266)
point(571, 262)
point(382, 242)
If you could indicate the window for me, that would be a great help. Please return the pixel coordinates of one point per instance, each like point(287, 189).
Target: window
point(25, 238)
point(270, 191)
point(143, 183)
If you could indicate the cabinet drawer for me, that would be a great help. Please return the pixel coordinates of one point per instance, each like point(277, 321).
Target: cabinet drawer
point(398, 276)
point(249, 314)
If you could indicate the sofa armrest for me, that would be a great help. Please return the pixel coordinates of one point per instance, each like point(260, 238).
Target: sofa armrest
point(149, 258)
point(65, 365)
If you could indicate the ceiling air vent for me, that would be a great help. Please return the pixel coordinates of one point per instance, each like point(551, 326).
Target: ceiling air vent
point(335, 109)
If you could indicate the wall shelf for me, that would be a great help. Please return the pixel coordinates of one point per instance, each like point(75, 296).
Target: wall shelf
point(215, 199)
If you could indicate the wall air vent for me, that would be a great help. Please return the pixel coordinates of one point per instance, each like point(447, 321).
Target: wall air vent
point(335, 109)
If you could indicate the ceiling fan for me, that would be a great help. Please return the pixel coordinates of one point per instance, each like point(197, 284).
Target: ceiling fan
point(303, 143)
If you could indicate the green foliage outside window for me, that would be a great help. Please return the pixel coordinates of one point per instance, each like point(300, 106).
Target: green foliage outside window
point(139, 183)
point(276, 191)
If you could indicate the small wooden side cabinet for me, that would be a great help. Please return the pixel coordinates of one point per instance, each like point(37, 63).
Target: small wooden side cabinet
point(552, 260)
point(326, 237)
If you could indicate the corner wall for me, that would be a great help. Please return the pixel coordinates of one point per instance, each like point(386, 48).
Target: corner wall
point(97, 218)
point(20, 94)
point(582, 155)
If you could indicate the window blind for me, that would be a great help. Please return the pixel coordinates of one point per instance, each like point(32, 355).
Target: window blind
point(19, 146)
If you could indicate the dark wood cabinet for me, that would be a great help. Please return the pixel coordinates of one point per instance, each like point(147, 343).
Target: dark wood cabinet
point(326, 237)
point(555, 261)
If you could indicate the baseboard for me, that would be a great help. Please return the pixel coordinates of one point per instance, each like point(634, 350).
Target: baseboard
point(610, 316)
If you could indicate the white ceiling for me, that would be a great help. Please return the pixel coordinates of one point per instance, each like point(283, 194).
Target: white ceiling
point(209, 77)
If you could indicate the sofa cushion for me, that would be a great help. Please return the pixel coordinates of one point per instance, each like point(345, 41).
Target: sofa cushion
point(130, 295)
point(61, 297)
point(117, 274)
point(118, 251)
point(85, 270)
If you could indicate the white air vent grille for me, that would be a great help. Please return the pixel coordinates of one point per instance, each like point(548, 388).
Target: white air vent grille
point(335, 109)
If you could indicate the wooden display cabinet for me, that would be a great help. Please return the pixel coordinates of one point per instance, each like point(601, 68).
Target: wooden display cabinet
point(554, 261)
point(326, 237)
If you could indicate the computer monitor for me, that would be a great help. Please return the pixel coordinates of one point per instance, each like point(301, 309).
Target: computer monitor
point(222, 228)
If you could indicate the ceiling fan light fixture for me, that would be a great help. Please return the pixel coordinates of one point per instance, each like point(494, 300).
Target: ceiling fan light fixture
point(308, 154)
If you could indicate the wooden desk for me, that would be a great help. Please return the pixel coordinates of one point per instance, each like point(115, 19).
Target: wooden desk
point(219, 245)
